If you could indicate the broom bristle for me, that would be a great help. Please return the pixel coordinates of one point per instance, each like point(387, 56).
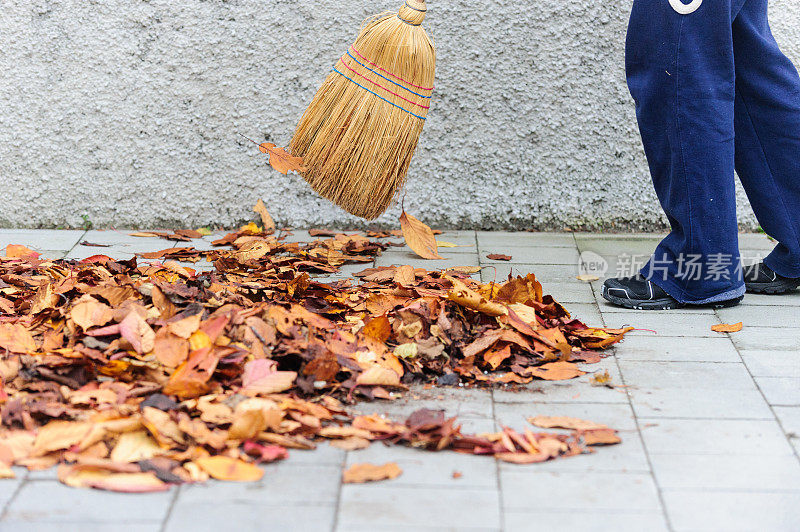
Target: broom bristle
point(359, 134)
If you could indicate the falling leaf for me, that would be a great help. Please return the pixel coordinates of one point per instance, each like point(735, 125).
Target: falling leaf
point(359, 473)
point(419, 237)
point(281, 160)
point(728, 328)
point(549, 422)
point(266, 218)
point(230, 469)
point(497, 256)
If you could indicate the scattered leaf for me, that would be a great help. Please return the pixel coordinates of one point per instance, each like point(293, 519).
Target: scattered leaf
point(498, 256)
point(281, 160)
point(230, 469)
point(419, 237)
point(728, 328)
point(359, 473)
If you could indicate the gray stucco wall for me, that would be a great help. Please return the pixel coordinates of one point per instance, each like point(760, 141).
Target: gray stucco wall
point(127, 111)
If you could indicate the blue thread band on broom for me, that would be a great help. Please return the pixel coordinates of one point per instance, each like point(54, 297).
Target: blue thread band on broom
point(356, 149)
point(384, 77)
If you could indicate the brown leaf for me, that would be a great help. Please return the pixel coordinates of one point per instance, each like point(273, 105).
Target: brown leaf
point(266, 218)
point(359, 473)
point(604, 436)
point(728, 328)
point(419, 237)
point(497, 256)
point(89, 312)
point(467, 297)
point(281, 160)
point(555, 371)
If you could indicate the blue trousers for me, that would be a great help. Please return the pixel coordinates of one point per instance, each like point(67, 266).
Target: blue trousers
point(714, 93)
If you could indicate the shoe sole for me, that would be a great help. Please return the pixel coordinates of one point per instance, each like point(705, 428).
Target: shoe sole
point(665, 304)
point(655, 304)
point(774, 288)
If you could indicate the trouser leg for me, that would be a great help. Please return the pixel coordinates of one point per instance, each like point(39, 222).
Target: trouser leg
point(681, 74)
point(767, 124)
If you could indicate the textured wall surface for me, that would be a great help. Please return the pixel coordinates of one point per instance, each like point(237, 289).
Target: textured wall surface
point(127, 111)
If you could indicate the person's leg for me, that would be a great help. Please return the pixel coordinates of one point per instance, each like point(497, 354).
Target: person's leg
point(767, 127)
point(681, 75)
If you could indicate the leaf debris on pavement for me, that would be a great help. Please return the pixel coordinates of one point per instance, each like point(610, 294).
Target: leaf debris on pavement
point(131, 376)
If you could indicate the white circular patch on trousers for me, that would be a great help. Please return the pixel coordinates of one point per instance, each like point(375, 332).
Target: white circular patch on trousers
point(685, 9)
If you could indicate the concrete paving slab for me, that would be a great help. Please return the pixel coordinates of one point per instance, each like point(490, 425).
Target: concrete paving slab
point(726, 510)
point(752, 315)
point(585, 521)
point(783, 391)
point(772, 363)
point(249, 516)
point(532, 255)
point(714, 436)
point(673, 349)
point(722, 472)
point(490, 239)
point(767, 338)
point(665, 324)
point(40, 240)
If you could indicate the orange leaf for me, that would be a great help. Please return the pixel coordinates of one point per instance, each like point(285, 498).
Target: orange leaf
point(16, 338)
point(419, 237)
point(555, 371)
point(231, 469)
point(266, 218)
point(548, 422)
point(601, 437)
point(378, 328)
point(281, 160)
point(99, 477)
point(728, 328)
point(16, 251)
point(260, 376)
point(359, 473)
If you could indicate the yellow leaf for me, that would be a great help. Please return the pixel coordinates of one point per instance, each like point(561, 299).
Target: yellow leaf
point(471, 299)
point(266, 218)
point(443, 244)
point(205, 231)
point(135, 446)
point(728, 328)
point(419, 237)
point(231, 469)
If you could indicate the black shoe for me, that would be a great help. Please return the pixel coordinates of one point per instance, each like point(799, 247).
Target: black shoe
point(640, 294)
point(760, 279)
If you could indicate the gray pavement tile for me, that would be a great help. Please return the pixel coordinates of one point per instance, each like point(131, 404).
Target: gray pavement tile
point(714, 436)
point(569, 293)
point(784, 391)
point(608, 308)
point(515, 415)
point(725, 510)
point(324, 454)
point(431, 469)
point(790, 299)
point(789, 416)
point(578, 490)
point(767, 338)
point(545, 273)
point(387, 504)
point(762, 316)
point(249, 516)
point(33, 525)
point(69, 505)
point(710, 472)
point(584, 521)
point(490, 239)
point(8, 487)
point(531, 255)
point(665, 324)
point(395, 258)
point(586, 312)
point(644, 375)
point(40, 240)
point(756, 241)
point(715, 403)
point(403, 528)
point(284, 482)
point(687, 349)
point(772, 363)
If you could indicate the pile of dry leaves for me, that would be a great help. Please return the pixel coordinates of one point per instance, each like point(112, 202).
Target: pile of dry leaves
point(137, 375)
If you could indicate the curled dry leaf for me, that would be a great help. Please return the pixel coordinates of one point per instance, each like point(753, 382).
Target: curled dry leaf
point(419, 237)
point(728, 328)
point(266, 218)
point(587, 278)
point(498, 256)
point(359, 473)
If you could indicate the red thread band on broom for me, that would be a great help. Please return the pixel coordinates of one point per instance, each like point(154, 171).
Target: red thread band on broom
point(384, 70)
point(387, 79)
point(351, 69)
point(378, 95)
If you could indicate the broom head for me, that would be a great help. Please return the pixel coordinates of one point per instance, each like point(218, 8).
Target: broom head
point(359, 133)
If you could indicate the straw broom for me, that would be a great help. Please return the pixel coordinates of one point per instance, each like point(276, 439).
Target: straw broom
point(359, 134)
